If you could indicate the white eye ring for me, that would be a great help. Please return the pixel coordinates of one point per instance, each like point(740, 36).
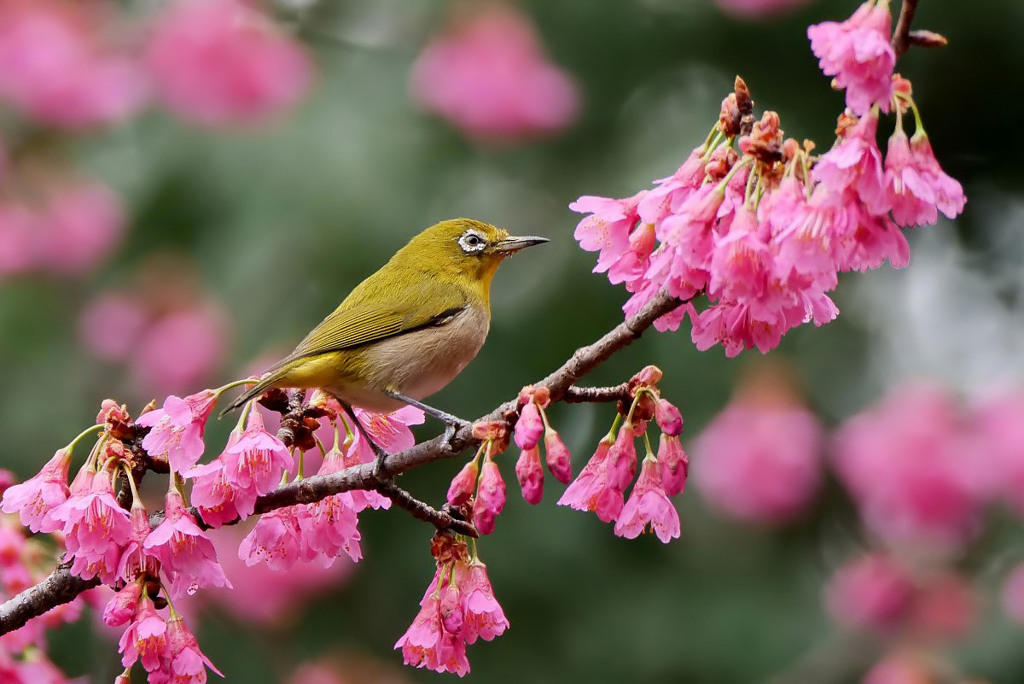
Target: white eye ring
point(471, 241)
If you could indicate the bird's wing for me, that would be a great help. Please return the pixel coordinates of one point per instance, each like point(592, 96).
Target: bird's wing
point(389, 313)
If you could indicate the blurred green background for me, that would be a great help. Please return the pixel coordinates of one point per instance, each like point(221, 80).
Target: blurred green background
point(280, 221)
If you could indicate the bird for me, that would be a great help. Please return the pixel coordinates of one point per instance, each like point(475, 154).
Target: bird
point(408, 329)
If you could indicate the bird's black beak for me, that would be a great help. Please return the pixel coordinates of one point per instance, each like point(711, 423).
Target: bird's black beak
point(511, 245)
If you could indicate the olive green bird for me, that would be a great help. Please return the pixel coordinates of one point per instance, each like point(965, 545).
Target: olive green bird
point(407, 330)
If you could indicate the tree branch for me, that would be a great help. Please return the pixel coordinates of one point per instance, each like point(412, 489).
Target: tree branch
point(62, 587)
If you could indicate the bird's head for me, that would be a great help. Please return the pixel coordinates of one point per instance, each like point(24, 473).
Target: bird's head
point(464, 249)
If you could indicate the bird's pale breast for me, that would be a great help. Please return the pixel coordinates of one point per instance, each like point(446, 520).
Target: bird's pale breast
point(419, 363)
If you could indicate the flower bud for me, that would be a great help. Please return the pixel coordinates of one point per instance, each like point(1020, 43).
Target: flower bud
point(530, 475)
point(558, 459)
point(463, 484)
point(121, 608)
point(451, 608)
point(674, 464)
point(648, 376)
point(670, 420)
point(490, 498)
point(529, 427)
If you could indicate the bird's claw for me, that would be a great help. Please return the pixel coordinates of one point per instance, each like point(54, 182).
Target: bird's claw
point(451, 428)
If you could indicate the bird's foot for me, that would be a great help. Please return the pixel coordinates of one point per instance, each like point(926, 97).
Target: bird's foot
point(452, 424)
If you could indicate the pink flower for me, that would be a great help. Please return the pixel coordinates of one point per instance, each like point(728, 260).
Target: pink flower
point(58, 68)
point(186, 554)
point(95, 527)
point(673, 464)
point(463, 484)
point(873, 592)
point(529, 427)
point(907, 462)
point(177, 429)
point(949, 194)
point(330, 527)
point(482, 616)
point(858, 53)
point(490, 498)
point(219, 62)
point(557, 456)
point(760, 461)
point(35, 499)
point(487, 75)
point(184, 662)
point(277, 539)
point(427, 644)
point(390, 431)
point(218, 501)
point(592, 490)
point(530, 474)
point(913, 199)
point(648, 504)
point(608, 227)
point(855, 163)
point(82, 224)
point(145, 638)
point(255, 459)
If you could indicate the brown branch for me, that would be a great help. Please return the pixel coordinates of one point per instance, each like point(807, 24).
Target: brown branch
point(901, 36)
point(61, 587)
point(581, 395)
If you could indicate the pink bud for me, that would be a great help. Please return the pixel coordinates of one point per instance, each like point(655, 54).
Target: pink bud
point(124, 678)
point(674, 464)
point(490, 498)
point(121, 608)
point(529, 427)
point(530, 475)
point(463, 484)
point(451, 609)
point(558, 459)
point(111, 411)
point(622, 459)
point(648, 375)
point(670, 420)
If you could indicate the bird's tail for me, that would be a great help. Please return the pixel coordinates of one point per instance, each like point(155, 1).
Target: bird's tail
point(254, 391)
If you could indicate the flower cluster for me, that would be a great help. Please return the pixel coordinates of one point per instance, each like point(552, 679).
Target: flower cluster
point(485, 480)
point(24, 562)
point(457, 609)
point(530, 428)
point(759, 224)
point(488, 76)
point(602, 484)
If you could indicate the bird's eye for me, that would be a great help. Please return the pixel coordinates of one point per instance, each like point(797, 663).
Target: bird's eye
point(472, 242)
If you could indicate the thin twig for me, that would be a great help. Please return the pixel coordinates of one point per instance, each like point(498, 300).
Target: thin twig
point(901, 36)
point(61, 587)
